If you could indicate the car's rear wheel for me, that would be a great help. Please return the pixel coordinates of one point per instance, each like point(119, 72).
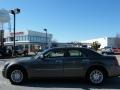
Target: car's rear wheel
point(96, 76)
point(25, 53)
point(17, 76)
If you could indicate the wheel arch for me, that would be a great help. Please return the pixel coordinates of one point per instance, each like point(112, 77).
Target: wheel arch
point(16, 66)
point(97, 67)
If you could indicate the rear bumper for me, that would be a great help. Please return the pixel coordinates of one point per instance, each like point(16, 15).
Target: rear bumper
point(115, 71)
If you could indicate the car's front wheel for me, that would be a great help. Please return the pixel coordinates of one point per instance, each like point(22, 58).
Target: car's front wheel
point(17, 76)
point(96, 76)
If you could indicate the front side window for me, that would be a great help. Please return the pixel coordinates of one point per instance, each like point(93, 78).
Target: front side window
point(55, 53)
point(75, 53)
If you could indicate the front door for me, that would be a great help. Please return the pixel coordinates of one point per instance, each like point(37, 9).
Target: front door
point(51, 65)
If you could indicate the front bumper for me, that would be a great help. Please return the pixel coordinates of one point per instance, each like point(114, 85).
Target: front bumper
point(4, 73)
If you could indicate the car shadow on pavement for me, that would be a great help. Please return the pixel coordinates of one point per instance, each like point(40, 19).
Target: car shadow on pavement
point(111, 83)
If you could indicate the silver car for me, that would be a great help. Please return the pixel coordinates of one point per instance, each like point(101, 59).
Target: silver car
point(107, 50)
point(63, 62)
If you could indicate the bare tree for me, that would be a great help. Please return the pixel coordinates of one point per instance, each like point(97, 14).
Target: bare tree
point(117, 40)
point(96, 45)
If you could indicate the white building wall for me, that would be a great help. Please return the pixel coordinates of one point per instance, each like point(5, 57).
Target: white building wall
point(102, 41)
point(33, 36)
point(28, 37)
point(106, 41)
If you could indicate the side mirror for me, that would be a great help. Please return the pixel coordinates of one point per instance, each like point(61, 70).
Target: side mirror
point(41, 56)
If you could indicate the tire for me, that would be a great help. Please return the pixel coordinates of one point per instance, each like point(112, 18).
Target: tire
point(17, 76)
point(16, 53)
point(96, 76)
point(25, 53)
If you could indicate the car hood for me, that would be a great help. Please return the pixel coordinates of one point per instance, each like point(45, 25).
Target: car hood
point(24, 59)
point(21, 60)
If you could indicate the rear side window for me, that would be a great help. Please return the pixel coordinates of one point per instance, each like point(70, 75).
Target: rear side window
point(76, 53)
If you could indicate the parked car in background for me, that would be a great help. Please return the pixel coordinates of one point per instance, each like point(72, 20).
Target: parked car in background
point(62, 63)
point(107, 50)
point(4, 51)
point(19, 50)
point(116, 50)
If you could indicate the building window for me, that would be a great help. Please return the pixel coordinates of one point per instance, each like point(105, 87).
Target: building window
point(23, 38)
point(35, 38)
point(26, 38)
point(6, 39)
point(18, 38)
point(29, 38)
point(39, 38)
point(15, 38)
point(32, 38)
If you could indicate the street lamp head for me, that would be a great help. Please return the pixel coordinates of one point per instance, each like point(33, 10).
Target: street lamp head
point(15, 11)
point(12, 12)
point(45, 30)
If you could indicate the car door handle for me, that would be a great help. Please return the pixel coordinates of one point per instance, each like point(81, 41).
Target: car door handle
point(73, 62)
point(58, 61)
point(86, 60)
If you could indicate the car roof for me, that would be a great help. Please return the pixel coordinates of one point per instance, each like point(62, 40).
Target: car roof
point(67, 48)
point(79, 48)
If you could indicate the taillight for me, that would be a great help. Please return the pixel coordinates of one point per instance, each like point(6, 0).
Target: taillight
point(116, 61)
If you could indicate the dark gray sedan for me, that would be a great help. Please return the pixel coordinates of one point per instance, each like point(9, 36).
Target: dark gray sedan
point(63, 62)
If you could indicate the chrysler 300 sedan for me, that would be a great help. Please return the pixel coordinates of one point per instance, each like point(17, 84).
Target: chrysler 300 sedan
point(62, 63)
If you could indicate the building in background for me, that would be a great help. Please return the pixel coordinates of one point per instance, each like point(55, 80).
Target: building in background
point(1, 38)
point(105, 42)
point(29, 39)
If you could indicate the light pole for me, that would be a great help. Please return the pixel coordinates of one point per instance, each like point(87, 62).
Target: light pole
point(14, 12)
point(46, 36)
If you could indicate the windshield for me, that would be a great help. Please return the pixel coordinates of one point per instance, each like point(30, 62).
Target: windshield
point(39, 54)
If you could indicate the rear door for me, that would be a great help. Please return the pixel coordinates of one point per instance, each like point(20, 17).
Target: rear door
point(75, 63)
